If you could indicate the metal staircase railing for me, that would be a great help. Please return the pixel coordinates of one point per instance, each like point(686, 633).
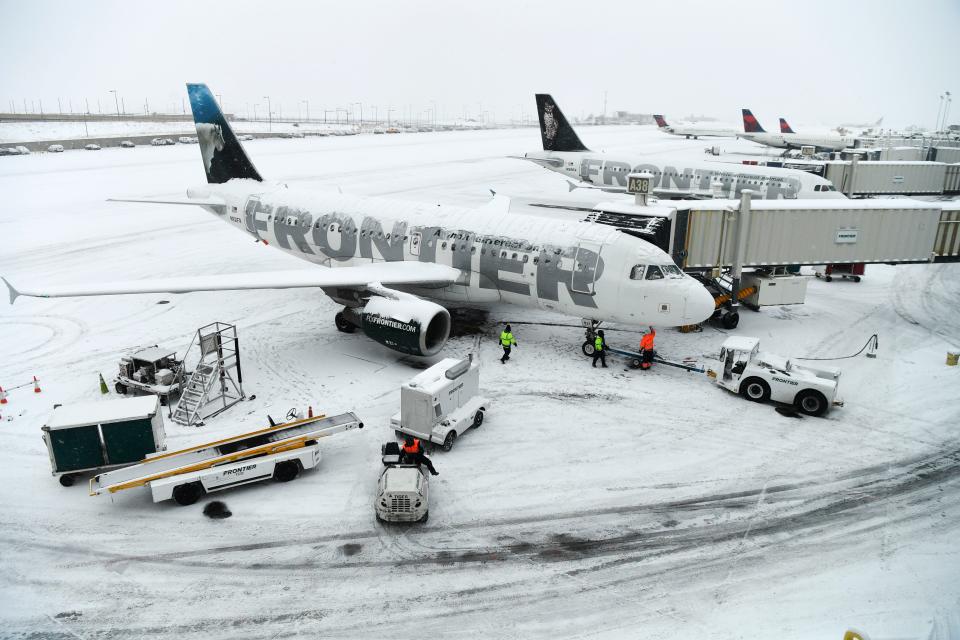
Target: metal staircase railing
point(216, 376)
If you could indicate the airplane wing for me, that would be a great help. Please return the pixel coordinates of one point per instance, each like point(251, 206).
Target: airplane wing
point(361, 276)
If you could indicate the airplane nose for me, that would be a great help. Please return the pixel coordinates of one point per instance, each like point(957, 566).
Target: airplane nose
point(700, 304)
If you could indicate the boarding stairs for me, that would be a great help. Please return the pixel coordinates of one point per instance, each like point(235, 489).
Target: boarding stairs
point(216, 383)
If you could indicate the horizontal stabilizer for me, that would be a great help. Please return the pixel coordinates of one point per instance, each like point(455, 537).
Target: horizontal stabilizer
point(386, 273)
point(198, 202)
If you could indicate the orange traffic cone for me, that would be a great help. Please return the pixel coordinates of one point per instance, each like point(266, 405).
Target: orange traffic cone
point(310, 411)
point(3, 396)
point(36, 385)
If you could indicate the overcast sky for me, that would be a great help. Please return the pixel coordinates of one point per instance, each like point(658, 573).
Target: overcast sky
point(813, 61)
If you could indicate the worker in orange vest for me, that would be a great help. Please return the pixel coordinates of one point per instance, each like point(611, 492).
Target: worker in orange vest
point(646, 349)
point(413, 452)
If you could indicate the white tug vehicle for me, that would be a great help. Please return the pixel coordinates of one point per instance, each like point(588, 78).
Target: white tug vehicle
point(761, 377)
point(403, 492)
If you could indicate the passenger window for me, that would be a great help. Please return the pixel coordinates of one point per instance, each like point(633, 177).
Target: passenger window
point(654, 273)
point(637, 272)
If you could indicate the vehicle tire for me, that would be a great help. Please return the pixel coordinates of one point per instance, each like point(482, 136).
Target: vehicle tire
point(587, 348)
point(811, 402)
point(187, 494)
point(121, 389)
point(856, 278)
point(635, 363)
point(828, 278)
point(343, 324)
point(286, 471)
point(449, 440)
point(730, 320)
point(426, 516)
point(67, 479)
point(755, 389)
point(477, 419)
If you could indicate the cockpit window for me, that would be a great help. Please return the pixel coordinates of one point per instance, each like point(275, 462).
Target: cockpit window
point(637, 272)
point(654, 273)
point(671, 271)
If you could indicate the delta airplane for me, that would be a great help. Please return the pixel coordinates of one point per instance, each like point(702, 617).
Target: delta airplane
point(392, 263)
point(694, 130)
point(565, 154)
point(787, 139)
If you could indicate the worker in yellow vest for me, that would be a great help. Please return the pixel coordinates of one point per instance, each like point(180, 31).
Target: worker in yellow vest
point(507, 342)
point(600, 349)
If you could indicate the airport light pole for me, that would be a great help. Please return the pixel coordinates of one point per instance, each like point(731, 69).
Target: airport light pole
point(254, 113)
point(307, 102)
point(269, 114)
point(946, 110)
point(389, 111)
point(115, 101)
point(359, 104)
point(936, 125)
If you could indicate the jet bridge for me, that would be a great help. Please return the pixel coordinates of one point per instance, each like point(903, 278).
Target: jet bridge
point(702, 235)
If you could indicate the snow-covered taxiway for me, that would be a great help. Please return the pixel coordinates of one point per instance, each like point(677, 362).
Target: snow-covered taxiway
point(592, 503)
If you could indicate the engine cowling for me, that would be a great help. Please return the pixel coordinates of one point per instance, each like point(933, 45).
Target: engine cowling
point(413, 326)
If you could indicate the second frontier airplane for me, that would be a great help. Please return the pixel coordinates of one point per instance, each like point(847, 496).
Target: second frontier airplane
point(694, 129)
point(565, 154)
point(394, 261)
point(787, 139)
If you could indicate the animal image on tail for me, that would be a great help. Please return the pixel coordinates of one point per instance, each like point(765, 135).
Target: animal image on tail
point(223, 157)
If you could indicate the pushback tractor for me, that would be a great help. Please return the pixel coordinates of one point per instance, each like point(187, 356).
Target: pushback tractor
point(760, 377)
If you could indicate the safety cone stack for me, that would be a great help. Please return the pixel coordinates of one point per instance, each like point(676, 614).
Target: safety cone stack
point(36, 385)
point(3, 396)
point(103, 386)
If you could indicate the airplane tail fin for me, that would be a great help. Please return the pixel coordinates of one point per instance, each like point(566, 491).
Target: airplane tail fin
point(555, 132)
point(784, 127)
point(223, 156)
point(661, 121)
point(750, 124)
point(878, 122)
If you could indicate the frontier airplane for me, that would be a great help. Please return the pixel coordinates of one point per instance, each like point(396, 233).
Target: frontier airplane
point(693, 130)
point(394, 261)
point(787, 139)
point(565, 154)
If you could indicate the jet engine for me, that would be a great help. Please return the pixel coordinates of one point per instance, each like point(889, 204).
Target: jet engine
point(412, 326)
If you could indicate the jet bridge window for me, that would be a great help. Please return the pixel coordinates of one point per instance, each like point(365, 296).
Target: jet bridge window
point(654, 273)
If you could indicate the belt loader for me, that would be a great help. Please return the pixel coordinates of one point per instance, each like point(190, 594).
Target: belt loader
point(279, 451)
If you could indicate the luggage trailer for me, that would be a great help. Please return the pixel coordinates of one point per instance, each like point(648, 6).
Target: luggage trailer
point(280, 452)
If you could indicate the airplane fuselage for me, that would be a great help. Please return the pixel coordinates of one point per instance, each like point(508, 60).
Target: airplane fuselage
point(575, 268)
point(796, 140)
point(683, 178)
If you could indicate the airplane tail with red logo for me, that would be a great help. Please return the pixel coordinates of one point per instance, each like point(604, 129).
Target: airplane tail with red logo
point(784, 127)
point(661, 121)
point(750, 124)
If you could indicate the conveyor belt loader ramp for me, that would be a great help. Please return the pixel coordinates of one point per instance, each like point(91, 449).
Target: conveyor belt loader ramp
point(279, 451)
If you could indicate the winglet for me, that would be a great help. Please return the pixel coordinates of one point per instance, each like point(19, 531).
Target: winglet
point(14, 294)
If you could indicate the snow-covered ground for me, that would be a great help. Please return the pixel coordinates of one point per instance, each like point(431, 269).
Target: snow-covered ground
point(592, 503)
point(26, 131)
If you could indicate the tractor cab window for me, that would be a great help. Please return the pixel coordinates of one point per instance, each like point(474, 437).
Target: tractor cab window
point(637, 272)
point(654, 273)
